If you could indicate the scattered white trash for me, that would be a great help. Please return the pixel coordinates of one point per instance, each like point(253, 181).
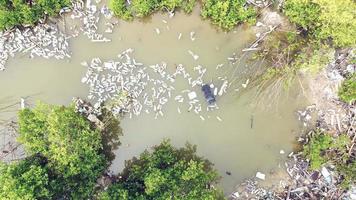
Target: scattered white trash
point(235, 195)
point(326, 174)
point(260, 176)
point(192, 95)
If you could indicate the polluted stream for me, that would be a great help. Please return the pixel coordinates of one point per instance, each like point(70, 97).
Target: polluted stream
point(240, 137)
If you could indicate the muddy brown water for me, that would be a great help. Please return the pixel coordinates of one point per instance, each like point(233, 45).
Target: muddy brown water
point(233, 144)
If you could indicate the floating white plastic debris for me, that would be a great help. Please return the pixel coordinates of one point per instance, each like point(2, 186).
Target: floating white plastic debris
point(64, 10)
point(218, 118)
point(244, 85)
point(194, 55)
point(88, 3)
point(223, 88)
point(108, 65)
point(134, 90)
point(22, 104)
point(179, 36)
point(308, 117)
point(170, 14)
point(259, 24)
point(101, 40)
point(164, 21)
point(281, 151)
point(84, 63)
point(157, 31)
point(43, 40)
point(108, 30)
point(260, 176)
point(219, 66)
point(215, 91)
point(192, 95)
point(201, 117)
point(106, 12)
point(235, 195)
point(84, 80)
point(192, 35)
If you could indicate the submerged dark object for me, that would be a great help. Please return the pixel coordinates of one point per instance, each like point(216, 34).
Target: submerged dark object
point(209, 96)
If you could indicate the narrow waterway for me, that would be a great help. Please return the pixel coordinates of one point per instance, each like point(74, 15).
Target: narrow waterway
point(249, 137)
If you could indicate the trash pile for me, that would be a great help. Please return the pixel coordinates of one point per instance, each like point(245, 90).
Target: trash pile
point(85, 109)
point(300, 183)
point(130, 87)
point(251, 190)
point(310, 185)
point(44, 40)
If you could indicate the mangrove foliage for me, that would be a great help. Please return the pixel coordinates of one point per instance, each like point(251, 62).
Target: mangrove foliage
point(347, 91)
point(28, 12)
point(226, 14)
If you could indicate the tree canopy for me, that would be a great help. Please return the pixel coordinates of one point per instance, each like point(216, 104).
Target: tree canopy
point(166, 173)
point(63, 136)
point(71, 149)
point(24, 180)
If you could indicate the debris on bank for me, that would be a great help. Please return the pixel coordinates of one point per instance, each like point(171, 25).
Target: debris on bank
point(331, 116)
point(298, 182)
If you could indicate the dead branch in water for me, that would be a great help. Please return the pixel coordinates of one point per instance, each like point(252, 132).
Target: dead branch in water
point(254, 45)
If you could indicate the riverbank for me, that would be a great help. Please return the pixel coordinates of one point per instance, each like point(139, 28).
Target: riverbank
point(295, 178)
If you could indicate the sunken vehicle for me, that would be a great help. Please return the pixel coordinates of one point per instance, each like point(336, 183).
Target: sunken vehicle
point(208, 94)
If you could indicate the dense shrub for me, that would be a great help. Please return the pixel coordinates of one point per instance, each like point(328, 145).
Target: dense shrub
point(166, 173)
point(316, 148)
point(347, 92)
point(323, 148)
point(348, 172)
point(24, 12)
point(227, 13)
point(325, 19)
point(302, 12)
point(144, 8)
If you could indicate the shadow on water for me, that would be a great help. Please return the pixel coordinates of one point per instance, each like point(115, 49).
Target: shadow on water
point(110, 134)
